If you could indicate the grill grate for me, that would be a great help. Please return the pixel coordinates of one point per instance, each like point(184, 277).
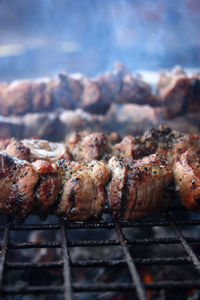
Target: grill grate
point(69, 288)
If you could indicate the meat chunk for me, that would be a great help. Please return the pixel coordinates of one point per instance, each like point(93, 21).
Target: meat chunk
point(83, 194)
point(15, 98)
point(89, 147)
point(126, 147)
point(92, 99)
point(48, 187)
point(166, 142)
point(187, 178)
point(40, 97)
point(17, 149)
point(137, 188)
point(65, 91)
point(17, 183)
point(132, 88)
point(179, 92)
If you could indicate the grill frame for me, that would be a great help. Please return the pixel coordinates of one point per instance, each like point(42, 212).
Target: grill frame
point(68, 289)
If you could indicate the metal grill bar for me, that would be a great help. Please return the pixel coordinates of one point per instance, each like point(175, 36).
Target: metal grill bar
point(68, 288)
point(99, 263)
point(97, 243)
point(131, 265)
point(5, 242)
point(183, 241)
point(104, 225)
point(68, 292)
point(26, 290)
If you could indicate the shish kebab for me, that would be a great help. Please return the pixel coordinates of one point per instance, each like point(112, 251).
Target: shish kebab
point(78, 178)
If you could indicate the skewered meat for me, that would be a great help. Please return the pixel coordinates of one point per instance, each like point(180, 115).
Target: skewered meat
point(132, 88)
point(93, 95)
point(48, 186)
point(178, 92)
point(83, 195)
point(91, 99)
point(65, 91)
point(17, 183)
point(126, 119)
point(17, 149)
point(187, 178)
point(89, 147)
point(166, 142)
point(139, 170)
point(136, 188)
point(126, 147)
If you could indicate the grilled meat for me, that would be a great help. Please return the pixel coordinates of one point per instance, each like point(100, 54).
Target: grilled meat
point(89, 147)
point(83, 195)
point(187, 178)
point(166, 142)
point(178, 92)
point(17, 183)
point(17, 149)
point(48, 187)
point(94, 95)
point(74, 180)
point(137, 188)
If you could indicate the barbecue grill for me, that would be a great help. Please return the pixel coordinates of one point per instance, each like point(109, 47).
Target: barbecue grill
point(175, 219)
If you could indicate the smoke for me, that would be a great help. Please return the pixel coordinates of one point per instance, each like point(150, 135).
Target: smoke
point(43, 37)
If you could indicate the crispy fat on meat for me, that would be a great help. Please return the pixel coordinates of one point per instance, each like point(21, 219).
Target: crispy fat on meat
point(42, 149)
point(83, 195)
point(48, 186)
point(136, 188)
point(187, 178)
point(17, 182)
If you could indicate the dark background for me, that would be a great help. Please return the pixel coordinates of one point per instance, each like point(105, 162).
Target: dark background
point(43, 37)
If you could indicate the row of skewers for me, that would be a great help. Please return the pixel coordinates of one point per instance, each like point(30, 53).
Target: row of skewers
point(176, 92)
point(79, 178)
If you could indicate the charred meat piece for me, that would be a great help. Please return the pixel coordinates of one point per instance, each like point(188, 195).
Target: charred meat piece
point(187, 178)
point(17, 183)
point(48, 187)
point(89, 147)
point(83, 195)
point(170, 143)
point(166, 142)
point(137, 187)
point(140, 146)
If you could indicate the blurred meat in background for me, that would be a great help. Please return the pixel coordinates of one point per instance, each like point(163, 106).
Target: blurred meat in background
point(64, 52)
